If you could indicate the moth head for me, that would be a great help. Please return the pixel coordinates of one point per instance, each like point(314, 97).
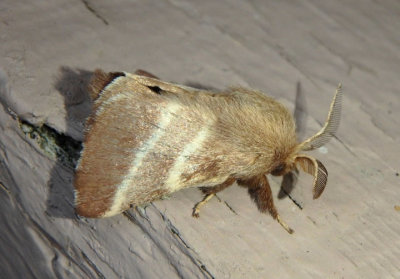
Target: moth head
point(307, 163)
point(283, 168)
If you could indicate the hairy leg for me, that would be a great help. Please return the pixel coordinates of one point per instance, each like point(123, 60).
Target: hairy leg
point(209, 193)
point(260, 192)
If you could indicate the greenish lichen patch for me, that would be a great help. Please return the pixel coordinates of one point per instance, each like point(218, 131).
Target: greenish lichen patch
point(54, 144)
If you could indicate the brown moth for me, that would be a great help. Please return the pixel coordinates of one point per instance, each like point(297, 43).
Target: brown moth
point(147, 138)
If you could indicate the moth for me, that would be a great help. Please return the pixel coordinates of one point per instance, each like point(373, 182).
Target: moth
point(147, 138)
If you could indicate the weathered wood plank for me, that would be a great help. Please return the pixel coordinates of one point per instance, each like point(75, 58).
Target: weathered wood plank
point(47, 52)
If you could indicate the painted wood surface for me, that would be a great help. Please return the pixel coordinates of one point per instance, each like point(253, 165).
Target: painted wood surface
point(48, 50)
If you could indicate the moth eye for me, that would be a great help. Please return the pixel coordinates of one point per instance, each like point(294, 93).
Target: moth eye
point(279, 169)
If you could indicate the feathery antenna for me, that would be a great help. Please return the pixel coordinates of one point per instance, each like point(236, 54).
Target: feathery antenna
point(331, 124)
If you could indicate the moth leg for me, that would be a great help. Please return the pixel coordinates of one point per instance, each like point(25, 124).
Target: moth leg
point(260, 192)
point(284, 225)
point(209, 193)
point(196, 209)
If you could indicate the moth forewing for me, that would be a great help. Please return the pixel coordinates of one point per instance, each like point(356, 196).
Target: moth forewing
point(119, 125)
point(143, 143)
point(141, 72)
point(153, 81)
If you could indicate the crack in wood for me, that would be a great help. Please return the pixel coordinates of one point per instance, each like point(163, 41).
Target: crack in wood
point(312, 220)
point(5, 189)
point(94, 12)
point(132, 218)
point(45, 235)
point(177, 234)
point(54, 144)
point(227, 204)
point(54, 266)
point(93, 266)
